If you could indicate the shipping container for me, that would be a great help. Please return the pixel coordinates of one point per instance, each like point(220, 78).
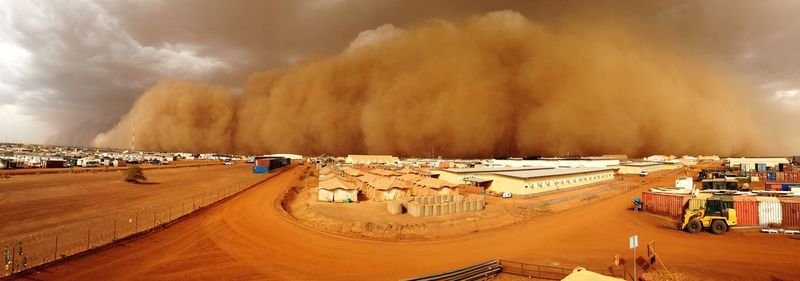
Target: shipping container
point(769, 211)
point(53, 164)
point(791, 212)
point(664, 204)
point(772, 176)
point(260, 170)
point(746, 210)
point(781, 186)
point(262, 163)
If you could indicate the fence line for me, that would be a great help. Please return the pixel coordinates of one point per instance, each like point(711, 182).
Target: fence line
point(552, 272)
point(578, 196)
point(29, 250)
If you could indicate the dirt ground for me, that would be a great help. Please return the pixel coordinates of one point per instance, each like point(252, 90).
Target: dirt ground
point(251, 237)
point(30, 203)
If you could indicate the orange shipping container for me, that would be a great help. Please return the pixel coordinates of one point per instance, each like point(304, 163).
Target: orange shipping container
point(791, 213)
point(664, 204)
point(746, 210)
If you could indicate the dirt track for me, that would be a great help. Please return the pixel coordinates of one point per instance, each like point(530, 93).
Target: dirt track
point(250, 237)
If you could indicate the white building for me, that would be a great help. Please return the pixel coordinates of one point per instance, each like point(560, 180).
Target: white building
point(371, 159)
point(749, 164)
point(555, 163)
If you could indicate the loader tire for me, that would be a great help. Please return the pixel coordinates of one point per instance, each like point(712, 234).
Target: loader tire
point(694, 226)
point(719, 227)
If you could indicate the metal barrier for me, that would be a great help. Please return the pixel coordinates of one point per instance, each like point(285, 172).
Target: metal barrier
point(481, 271)
point(23, 252)
point(581, 196)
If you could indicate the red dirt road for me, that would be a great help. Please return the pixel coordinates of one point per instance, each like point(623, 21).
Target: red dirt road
point(250, 237)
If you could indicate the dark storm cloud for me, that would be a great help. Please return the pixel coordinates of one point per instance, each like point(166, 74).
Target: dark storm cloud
point(70, 63)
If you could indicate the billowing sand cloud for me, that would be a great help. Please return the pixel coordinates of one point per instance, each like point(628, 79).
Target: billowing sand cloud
point(497, 84)
point(177, 116)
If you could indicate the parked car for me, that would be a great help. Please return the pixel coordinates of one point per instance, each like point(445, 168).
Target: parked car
point(228, 163)
point(643, 173)
point(506, 194)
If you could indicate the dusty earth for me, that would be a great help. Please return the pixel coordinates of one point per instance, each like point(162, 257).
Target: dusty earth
point(252, 237)
point(29, 203)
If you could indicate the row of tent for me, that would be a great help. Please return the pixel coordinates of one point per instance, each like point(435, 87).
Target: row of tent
point(383, 185)
point(750, 210)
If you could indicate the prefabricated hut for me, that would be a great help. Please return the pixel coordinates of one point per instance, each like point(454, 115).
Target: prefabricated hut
point(546, 180)
point(635, 168)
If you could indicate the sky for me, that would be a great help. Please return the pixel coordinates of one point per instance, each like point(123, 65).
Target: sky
point(70, 70)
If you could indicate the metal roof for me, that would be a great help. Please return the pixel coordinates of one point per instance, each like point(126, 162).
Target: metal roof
point(640, 164)
point(551, 172)
point(493, 169)
point(476, 179)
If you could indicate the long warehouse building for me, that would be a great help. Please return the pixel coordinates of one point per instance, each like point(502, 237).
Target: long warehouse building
point(528, 180)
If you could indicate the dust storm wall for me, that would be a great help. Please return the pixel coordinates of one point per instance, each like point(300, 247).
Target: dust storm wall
point(497, 84)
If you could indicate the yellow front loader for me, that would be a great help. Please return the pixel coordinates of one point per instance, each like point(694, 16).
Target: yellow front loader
point(717, 215)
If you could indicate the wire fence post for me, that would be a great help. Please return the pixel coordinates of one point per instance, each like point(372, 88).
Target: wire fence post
point(88, 232)
point(13, 254)
point(55, 251)
point(114, 236)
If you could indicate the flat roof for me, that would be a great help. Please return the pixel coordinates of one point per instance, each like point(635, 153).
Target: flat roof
point(640, 164)
point(493, 169)
point(551, 172)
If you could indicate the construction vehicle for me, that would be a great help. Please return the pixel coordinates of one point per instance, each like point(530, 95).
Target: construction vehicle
point(717, 215)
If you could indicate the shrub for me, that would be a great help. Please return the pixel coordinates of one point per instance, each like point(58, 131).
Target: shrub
point(135, 174)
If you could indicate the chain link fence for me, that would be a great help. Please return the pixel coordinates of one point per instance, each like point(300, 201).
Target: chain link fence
point(33, 249)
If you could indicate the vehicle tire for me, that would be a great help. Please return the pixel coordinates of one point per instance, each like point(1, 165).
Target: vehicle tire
point(718, 227)
point(694, 226)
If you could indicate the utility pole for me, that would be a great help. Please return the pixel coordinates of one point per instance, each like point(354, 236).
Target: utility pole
point(634, 242)
point(133, 138)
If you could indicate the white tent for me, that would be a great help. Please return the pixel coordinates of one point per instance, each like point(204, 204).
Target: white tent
point(333, 190)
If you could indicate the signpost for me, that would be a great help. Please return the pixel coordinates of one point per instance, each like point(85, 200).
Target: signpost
point(634, 242)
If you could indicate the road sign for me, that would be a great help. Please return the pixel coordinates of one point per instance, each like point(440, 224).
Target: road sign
point(634, 241)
